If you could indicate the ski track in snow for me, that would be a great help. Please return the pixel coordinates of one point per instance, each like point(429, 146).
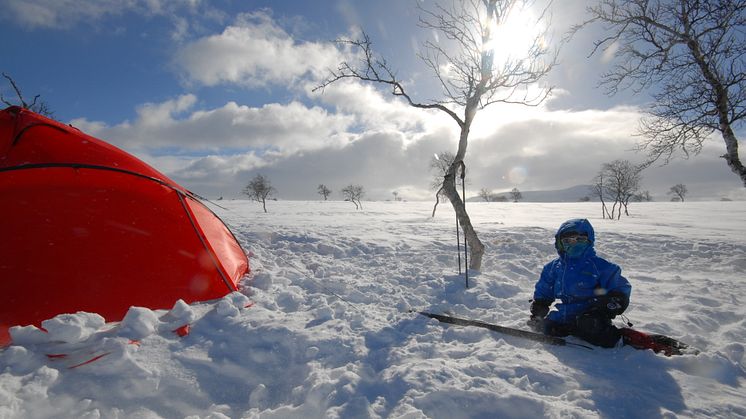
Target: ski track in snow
point(328, 332)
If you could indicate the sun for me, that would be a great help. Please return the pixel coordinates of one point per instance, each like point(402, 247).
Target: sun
point(516, 35)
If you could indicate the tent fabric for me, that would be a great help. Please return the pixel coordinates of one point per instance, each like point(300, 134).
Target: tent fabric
point(89, 227)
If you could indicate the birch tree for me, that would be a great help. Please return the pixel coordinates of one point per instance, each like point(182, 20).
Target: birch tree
point(259, 189)
point(354, 194)
point(515, 194)
point(469, 77)
point(691, 56)
point(618, 180)
point(324, 191)
point(440, 164)
point(679, 190)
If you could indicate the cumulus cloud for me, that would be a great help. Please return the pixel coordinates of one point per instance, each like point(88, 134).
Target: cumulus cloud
point(376, 160)
point(298, 147)
point(359, 133)
point(378, 110)
point(553, 149)
point(272, 128)
point(254, 52)
point(63, 14)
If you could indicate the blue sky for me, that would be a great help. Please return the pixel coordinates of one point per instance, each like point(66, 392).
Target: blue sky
point(212, 93)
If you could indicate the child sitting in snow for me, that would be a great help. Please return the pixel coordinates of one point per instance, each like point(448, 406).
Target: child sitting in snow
point(592, 290)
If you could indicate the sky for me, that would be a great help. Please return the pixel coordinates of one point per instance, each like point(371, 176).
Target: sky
point(213, 93)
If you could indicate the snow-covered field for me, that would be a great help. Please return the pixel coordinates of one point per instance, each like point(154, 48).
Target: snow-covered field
point(329, 333)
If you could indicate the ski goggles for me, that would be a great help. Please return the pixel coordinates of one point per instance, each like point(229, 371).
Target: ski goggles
point(574, 238)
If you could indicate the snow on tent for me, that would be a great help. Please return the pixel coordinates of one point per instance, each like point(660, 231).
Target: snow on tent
point(88, 227)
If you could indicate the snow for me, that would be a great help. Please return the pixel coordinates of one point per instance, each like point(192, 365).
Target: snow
point(322, 328)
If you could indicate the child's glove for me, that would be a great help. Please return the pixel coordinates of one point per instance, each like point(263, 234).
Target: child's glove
point(540, 308)
point(609, 305)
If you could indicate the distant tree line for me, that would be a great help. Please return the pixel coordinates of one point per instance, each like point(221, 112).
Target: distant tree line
point(616, 185)
point(260, 189)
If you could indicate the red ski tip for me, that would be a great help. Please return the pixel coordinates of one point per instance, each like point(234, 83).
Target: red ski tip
point(182, 331)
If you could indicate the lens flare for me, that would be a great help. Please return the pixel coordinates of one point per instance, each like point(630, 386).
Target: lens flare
point(517, 175)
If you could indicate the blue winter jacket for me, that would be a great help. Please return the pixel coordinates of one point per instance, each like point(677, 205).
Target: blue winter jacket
point(574, 281)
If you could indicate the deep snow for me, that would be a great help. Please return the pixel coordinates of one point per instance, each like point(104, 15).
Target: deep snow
point(322, 328)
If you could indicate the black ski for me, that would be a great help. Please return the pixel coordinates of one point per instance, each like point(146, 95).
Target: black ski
point(634, 338)
point(538, 337)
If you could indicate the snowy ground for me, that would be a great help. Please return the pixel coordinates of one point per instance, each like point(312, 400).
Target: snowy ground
point(329, 333)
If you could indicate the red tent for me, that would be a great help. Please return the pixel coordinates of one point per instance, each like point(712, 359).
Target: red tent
point(88, 227)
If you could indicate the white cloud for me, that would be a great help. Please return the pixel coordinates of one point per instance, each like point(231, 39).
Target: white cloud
point(180, 30)
point(183, 16)
point(157, 114)
point(275, 128)
point(254, 52)
point(62, 14)
point(378, 109)
point(545, 149)
point(363, 135)
point(375, 160)
point(609, 52)
point(298, 147)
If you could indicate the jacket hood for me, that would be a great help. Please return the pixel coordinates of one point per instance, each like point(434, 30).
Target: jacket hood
point(581, 225)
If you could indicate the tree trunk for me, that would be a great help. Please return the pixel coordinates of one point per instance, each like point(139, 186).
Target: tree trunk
point(731, 155)
point(437, 200)
point(603, 205)
point(449, 188)
point(722, 103)
point(475, 245)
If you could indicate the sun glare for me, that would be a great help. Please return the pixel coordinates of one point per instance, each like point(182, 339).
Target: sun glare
point(515, 35)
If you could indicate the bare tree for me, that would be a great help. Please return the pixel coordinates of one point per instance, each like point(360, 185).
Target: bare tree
point(259, 189)
point(439, 165)
point(38, 106)
point(468, 75)
point(620, 182)
point(643, 196)
point(485, 194)
point(601, 191)
point(516, 195)
point(354, 193)
point(397, 198)
point(324, 191)
point(679, 190)
point(690, 54)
